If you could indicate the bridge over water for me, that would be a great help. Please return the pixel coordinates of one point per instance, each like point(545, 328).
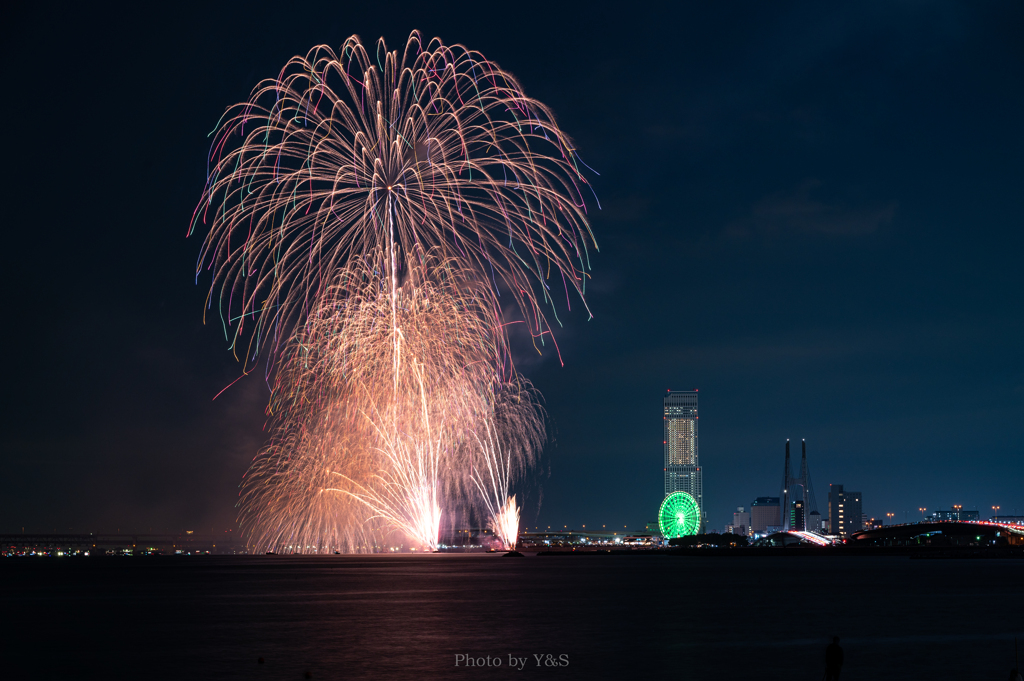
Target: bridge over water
point(943, 533)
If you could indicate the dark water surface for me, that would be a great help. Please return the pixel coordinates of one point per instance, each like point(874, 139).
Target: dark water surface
point(407, 617)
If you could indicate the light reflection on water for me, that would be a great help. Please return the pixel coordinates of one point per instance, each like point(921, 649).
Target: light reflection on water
point(612, 616)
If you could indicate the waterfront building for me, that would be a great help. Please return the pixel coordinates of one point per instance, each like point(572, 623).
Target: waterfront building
point(844, 511)
point(814, 521)
point(764, 513)
point(797, 517)
point(740, 522)
point(682, 461)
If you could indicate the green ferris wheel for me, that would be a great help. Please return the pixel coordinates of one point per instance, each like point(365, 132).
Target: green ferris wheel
point(679, 515)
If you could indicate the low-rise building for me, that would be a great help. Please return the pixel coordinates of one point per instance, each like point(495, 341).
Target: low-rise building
point(764, 513)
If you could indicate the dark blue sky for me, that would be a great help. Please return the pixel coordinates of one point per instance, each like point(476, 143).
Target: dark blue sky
point(812, 213)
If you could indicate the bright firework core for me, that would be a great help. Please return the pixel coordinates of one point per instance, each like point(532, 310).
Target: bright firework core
point(506, 524)
point(368, 215)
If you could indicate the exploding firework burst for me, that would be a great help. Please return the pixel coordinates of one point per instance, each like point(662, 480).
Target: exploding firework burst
point(380, 157)
point(366, 216)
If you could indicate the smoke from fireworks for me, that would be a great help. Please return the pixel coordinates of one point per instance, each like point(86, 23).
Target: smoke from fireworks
point(367, 215)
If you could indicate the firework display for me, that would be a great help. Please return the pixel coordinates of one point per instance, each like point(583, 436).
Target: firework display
point(375, 222)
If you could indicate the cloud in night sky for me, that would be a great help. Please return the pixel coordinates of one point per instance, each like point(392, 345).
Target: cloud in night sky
point(800, 212)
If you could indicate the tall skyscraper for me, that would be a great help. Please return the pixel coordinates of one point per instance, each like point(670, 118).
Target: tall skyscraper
point(682, 465)
point(844, 511)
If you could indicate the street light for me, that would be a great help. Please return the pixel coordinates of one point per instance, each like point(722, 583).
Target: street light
point(922, 510)
point(890, 515)
point(996, 512)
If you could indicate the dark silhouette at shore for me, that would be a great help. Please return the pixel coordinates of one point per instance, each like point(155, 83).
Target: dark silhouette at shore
point(833, 660)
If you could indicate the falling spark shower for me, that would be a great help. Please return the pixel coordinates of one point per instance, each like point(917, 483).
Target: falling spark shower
point(375, 224)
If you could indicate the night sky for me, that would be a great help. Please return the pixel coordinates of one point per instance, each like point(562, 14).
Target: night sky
point(811, 213)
